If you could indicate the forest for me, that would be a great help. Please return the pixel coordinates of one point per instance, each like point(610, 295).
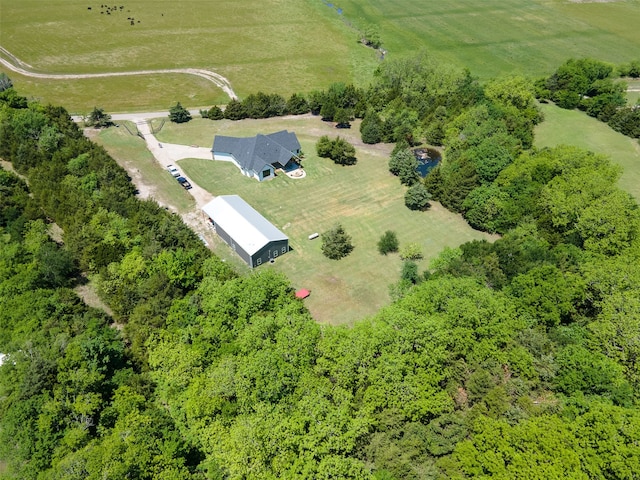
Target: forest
point(513, 359)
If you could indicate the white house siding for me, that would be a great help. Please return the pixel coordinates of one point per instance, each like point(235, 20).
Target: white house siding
point(225, 157)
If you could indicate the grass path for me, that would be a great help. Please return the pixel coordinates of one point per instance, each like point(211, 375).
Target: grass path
point(16, 65)
point(573, 127)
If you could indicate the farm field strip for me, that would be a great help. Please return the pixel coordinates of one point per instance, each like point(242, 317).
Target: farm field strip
point(288, 47)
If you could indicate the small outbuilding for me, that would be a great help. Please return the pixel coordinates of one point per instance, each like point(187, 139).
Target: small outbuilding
point(249, 234)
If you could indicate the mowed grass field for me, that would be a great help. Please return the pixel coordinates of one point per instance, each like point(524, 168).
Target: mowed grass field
point(270, 45)
point(286, 47)
point(131, 154)
point(572, 127)
point(366, 199)
point(493, 37)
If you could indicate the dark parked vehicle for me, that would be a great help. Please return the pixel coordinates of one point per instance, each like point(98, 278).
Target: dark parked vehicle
point(184, 182)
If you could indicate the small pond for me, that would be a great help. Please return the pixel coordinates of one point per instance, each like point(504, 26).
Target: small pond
point(428, 159)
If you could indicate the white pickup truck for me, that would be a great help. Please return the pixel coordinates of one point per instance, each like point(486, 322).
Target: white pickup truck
point(173, 171)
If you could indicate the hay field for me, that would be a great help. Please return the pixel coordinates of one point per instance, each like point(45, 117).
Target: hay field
point(491, 37)
point(270, 45)
point(287, 47)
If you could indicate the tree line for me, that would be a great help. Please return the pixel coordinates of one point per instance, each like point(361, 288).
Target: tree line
point(596, 88)
point(517, 357)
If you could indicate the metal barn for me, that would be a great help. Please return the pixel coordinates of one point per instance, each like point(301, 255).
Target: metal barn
point(249, 234)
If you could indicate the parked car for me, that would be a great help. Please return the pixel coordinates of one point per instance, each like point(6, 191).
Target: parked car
point(173, 171)
point(184, 182)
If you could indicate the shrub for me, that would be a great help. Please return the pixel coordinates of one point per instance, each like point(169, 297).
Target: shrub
point(417, 197)
point(179, 114)
point(411, 251)
point(388, 243)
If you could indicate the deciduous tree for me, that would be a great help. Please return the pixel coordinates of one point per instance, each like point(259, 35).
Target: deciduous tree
point(336, 244)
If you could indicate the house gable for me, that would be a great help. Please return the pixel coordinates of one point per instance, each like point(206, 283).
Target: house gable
point(254, 155)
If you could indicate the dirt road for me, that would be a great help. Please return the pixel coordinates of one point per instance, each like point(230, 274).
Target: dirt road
point(16, 65)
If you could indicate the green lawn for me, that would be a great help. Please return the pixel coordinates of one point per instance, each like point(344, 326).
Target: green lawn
point(131, 153)
point(634, 96)
point(572, 127)
point(365, 198)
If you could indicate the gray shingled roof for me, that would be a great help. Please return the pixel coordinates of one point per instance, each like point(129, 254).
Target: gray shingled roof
point(254, 153)
point(242, 222)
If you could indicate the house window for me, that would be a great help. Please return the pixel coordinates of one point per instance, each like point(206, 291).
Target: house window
point(284, 249)
point(259, 261)
point(266, 173)
point(275, 253)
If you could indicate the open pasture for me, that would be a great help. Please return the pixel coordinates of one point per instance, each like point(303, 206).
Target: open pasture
point(270, 45)
point(288, 47)
point(492, 37)
point(572, 127)
point(365, 198)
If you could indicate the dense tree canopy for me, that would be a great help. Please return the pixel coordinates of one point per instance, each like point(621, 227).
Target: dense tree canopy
point(513, 358)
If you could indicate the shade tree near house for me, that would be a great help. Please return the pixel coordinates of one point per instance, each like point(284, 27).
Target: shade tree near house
point(338, 150)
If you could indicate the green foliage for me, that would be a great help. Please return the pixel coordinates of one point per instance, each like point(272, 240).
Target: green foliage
point(342, 118)
point(297, 105)
point(409, 271)
point(512, 358)
point(371, 36)
point(548, 295)
point(388, 243)
point(261, 105)
point(338, 150)
point(214, 113)
point(411, 251)
point(371, 128)
point(417, 197)
point(235, 110)
point(403, 164)
point(179, 114)
point(324, 146)
point(336, 244)
point(98, 118)
point(5, 82)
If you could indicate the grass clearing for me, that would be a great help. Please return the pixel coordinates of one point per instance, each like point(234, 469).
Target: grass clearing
point(121, 94)
point(365, 198)
point(151, 179)
point(573, 127)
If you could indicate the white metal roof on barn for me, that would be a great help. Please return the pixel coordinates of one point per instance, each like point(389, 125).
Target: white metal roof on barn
point(250, 230)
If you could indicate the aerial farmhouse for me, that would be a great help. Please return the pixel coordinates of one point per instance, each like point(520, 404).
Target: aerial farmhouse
point(260, 156)
point(249, 234)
